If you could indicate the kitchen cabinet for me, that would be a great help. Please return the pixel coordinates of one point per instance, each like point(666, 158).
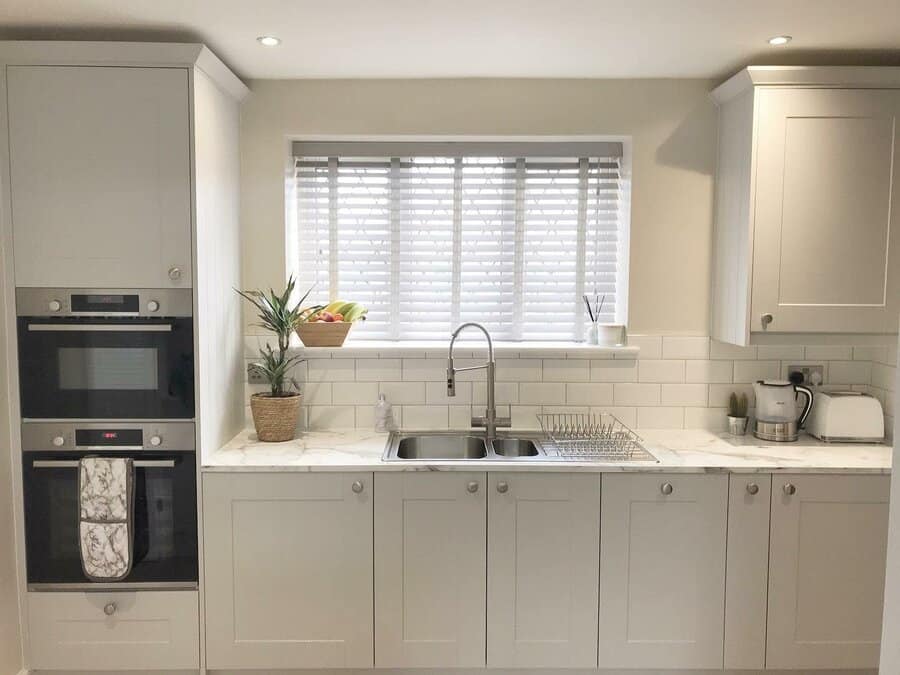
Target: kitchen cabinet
point(747, 571)
point(807, 213)
point(826, 570)
point(662, 570)
point(543, 557)
point(288, 560)
point(430, 569)
point(100, 176)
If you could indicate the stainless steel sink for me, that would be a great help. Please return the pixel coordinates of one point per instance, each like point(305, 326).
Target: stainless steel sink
point(443, 446)
point(514, 447)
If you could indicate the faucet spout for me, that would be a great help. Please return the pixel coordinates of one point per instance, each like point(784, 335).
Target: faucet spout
point(490, 421)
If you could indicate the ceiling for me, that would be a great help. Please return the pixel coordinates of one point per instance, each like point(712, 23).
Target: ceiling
point(483, 38)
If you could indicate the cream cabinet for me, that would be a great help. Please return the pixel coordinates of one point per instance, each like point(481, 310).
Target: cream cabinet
point(826, 570)
point(662, 570)
point(807, 212)
point(100, 176)
point(543, 557)
point(288, 561)
point(430, 569)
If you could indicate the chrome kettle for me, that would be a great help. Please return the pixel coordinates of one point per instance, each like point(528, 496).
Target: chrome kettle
point(777, 418)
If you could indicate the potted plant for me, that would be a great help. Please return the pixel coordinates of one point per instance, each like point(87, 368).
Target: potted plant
point(276, 411)
point(328, 326)
point(737, 414)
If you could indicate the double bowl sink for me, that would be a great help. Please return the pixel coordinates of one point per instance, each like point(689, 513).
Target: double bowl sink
point(447, 446)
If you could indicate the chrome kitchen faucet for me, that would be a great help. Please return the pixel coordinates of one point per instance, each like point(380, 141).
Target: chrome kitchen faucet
point(489, 421)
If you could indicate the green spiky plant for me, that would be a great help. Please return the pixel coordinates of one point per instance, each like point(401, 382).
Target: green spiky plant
point(737, 405)
point(278, 314)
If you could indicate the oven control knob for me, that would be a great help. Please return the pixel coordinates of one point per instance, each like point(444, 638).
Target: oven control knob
point(110, 609)
point(152, 306)
point(54, 305)
point(59, 441)
point(155, 440)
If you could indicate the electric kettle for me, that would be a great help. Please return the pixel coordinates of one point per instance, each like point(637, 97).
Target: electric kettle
point(777, 418)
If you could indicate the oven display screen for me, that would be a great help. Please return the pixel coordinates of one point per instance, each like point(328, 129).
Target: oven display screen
point(109, 437)
point(105, 303)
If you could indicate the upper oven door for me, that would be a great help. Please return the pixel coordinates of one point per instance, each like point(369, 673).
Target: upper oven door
point(106, 368)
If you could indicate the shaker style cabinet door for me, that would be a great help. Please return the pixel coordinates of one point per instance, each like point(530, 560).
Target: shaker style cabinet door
point(430, 569)
point(543, 557)
point(662, 570)
point(288, 560)
point(826, 570)
point(100, 170)
point(826, 252)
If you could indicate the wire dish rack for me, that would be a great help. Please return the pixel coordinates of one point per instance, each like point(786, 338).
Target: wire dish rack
point(593, 436)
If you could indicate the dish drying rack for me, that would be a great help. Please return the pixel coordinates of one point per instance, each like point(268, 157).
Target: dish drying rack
point(592, 436)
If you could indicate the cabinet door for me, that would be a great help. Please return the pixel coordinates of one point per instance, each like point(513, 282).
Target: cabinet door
point(543, 556)
point(826, 571)
point(747, 571)
point(288, 560)
point(430, 569)
point(826, 254)
point(100, 176)
point(662, 570)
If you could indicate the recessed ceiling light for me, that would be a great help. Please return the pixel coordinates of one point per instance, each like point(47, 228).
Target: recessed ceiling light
point(268, 40)
point(779, 40)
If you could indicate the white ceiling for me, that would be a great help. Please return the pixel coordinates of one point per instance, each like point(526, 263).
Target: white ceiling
point(483, 38)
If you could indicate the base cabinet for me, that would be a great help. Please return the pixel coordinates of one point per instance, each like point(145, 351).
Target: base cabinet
point(826, 571)
point(117, 631)
point(430, 569)
point(288, 570)
point(662, 571)
point(543, 557)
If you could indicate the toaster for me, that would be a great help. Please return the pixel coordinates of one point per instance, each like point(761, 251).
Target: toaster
point(846, 416)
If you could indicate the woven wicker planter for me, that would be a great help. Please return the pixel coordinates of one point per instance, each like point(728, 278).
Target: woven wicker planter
point(275, 417)
point(325, 334)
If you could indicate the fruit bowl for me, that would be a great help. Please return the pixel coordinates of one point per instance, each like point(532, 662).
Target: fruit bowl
point(323, 333)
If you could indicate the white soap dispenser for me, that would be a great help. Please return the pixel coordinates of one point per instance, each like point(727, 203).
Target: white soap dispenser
point(383, 414)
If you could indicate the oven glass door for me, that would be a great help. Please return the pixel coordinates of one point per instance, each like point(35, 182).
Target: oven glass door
point(106, 368)
point(165, 517)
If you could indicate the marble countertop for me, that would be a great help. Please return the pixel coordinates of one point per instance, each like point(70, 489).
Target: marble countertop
point(678, 450)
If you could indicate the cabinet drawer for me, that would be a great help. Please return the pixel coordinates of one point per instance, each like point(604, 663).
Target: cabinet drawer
point(144, 630)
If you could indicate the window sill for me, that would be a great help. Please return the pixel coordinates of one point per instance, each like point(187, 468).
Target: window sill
point(467, 349)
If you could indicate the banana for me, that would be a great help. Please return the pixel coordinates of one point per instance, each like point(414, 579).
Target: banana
point(351, 311)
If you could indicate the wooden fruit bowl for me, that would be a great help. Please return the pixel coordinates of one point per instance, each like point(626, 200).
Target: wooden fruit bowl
point(323, 334)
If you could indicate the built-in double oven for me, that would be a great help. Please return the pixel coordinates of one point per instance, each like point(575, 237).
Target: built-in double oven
point(108, 373)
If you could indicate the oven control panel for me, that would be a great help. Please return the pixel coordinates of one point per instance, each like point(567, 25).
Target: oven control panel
point(42, 436)
point(129, 302)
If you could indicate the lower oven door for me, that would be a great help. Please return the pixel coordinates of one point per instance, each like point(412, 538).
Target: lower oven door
point(165, 521)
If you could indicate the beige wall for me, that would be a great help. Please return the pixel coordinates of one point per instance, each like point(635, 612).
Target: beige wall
point(672, 124)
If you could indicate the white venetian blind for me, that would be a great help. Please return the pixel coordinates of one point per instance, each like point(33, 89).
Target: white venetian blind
point(429, 235)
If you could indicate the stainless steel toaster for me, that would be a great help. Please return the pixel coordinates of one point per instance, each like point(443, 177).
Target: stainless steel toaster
point(846, 417)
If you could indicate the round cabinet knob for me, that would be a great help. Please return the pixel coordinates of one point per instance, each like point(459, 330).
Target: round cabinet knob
point(790, 489)
point(666, 488)
point(502, 487)
point(752, 488)
point(153, 306)
point(472, 486)
point(54, 305)
point(357, 486)
point(59, 441)
point(766, 319)
point(174, 273)
point(110, 609)
point(155, 440)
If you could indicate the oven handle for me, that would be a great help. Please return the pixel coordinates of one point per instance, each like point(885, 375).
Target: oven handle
point(73, 464)
point(99, 328)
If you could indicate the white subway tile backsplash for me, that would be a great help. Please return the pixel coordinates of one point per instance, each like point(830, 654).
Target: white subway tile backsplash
point(566, 370)
point(401, 393)
point(869, 353)
point(849, 372)
point(751, 371)
point(626, 415)
point(424, 370)
point(379, 370)
point(331, 417)
point(614, 370)
point(436, 393)
point(713, 419)
point(518, 370)
point(504, 392)
point(525, 416)
point(425, 417)
point(660, 371)
point(779, 352)
point(684, 394)
point(723, 350)
point(461, 416)
point(883, 376)
point(660, 418)
point(720, 393)
point(354, 393)
point(685, 348)
point(331, 370)
point(542, 393)
point(650, 345)
point(629, 394)
point(593, 393)
point(708, 371)
point(829, 353)
point(317, 393)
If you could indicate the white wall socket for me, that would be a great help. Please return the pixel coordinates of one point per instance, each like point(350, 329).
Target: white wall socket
point(812, 374)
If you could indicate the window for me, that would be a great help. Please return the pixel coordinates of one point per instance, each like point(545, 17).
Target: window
point(429, 235)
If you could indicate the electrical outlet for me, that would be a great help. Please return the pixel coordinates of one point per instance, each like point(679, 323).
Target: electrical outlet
point(812, 374)
point(254, 375)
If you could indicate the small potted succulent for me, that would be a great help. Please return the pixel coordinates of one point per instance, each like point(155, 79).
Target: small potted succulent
point(737, 414)
point(276, 411)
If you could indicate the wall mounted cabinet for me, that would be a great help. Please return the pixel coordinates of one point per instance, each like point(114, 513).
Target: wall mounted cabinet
point(807, 202)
